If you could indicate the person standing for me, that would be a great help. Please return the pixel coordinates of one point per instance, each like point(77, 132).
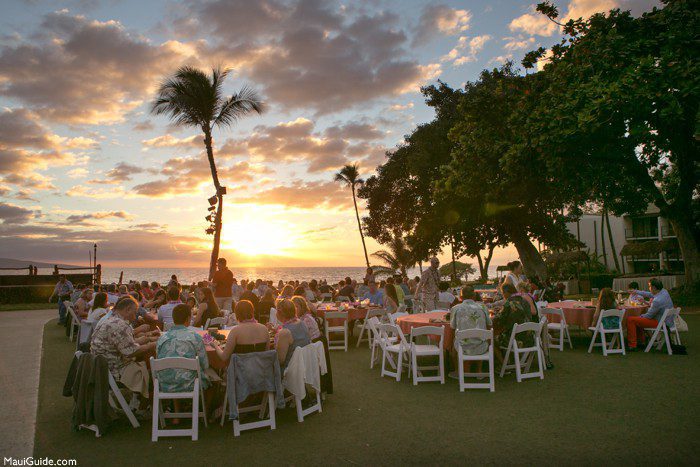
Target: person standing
point(62, 290)
point(429, 285)
point(222, 282)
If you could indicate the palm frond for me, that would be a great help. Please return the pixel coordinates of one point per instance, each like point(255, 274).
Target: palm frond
point(242, 103)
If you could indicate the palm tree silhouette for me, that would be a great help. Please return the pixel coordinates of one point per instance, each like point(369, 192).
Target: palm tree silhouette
point(192, 98)
point(350, 175)
point(397, 256)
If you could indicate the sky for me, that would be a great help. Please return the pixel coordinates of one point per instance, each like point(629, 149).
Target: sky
point(82, 160)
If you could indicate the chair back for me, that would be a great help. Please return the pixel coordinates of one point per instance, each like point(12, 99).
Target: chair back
point(180, 363)
point(387, 330)
point(342, 298)
point(218, 321)
point(483, 334)
point(428, 331)
point(613, 313)
point(394, 316)
point(527, 327)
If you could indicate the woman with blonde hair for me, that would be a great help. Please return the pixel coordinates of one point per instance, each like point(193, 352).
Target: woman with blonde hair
point(291, 335)
point(306, 317)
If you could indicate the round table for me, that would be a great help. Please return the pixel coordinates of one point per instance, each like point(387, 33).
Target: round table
point(423, 319)
point(214, 361)
point(580, 313)
point(354, 313)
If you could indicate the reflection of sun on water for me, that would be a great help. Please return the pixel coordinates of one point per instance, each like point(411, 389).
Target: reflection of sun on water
point(255, 237)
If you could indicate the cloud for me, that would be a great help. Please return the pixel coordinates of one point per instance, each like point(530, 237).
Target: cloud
point(13, 214)
point(441, 19)
point(304, 195)
point(533, 23)
point(518, 43)
point(121, 247)
point(80, 71)
point(399, 107)
point(169, 141)
point(99, 215)
point(298, 141)
point(500, 59)
point(187, 175)
point(143, 126)
point(309, 53)
point(466, 49)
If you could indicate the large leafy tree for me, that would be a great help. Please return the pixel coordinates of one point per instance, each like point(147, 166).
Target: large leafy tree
point(192, 98)
point(350, 176)
point(618, 117)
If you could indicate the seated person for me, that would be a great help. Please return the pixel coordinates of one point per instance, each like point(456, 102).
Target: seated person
point(374, 295)
point(469, 315)
point(113, 338)
point(249, 295)
point(391, 301)
point(207, 309)
point(346, 289)
point(306, 317)
point(266, 303)
point(291, 335)
point(165, 312)
point(99, 307)
point(635, 296)
point(81, 305)
point(159, 298)
point(524, 293)
point(247, 336)
point(181, 341)
point(636, 324)
point(515, 311)
point(445, 295)
point(606, 301)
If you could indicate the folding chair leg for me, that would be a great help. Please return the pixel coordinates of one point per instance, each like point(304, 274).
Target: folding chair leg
point(595, 336)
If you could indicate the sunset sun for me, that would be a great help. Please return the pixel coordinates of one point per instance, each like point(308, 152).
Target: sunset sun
point(258, 237)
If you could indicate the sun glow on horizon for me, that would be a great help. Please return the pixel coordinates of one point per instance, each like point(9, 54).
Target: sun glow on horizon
point(258, 237)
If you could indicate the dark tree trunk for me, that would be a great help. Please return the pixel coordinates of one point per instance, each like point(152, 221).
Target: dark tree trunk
point(454, 265)
point(613, 251)
point(688, 243)
point(602, 238)
point(220, 206)
point(359, 225)
point(532, 260)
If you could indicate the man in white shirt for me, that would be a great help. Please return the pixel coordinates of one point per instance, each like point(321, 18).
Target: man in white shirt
point(446, 296)
point(165, 312)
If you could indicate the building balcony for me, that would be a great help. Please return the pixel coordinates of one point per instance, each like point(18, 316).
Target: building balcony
point(641, 234)
point(667, 232)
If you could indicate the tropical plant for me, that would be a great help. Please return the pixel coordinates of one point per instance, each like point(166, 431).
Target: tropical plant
point(350, 175)
point(397, 256)
point(192, 98)
point(456, 270)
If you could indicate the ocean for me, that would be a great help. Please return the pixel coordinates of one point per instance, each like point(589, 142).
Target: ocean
point(190, 275)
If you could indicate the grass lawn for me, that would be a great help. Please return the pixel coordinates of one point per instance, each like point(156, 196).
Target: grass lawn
point(28, 306)
point(634, 409)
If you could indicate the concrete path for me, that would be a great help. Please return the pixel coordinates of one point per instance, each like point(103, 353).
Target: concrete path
point(21, 334)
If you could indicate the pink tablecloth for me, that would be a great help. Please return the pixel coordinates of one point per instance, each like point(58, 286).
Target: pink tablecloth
point(581, 313)
point(423, 319)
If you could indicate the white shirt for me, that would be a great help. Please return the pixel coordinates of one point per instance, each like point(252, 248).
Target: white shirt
point(95, 315)
point(446, 297)
point(165, 312)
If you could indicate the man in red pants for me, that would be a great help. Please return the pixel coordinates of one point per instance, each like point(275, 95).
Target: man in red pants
point(661, 300)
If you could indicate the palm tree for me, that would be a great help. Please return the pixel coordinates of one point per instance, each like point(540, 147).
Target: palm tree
point(397, 256)
point(350, 175)
point(192, 98)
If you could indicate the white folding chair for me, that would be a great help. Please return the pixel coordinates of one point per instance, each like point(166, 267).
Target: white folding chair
point(335, 344)
point(212, 322)
point(599, 330)
point(427, 350)
point(273, 316)
point(85, 332)
point(376, 312)
point(115, 397)
point(376, 341)
point(267, 404)
point(662, 333)
point(541, 304)
point(561, 329)
point(389, 332)
point(195, 395)
point(523, 357)
point(74, 320)
point(309, 354)
point(484, 335)
point(396, 315)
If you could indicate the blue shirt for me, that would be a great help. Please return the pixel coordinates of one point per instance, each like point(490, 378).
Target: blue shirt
point(376, 298)
point(662, 301)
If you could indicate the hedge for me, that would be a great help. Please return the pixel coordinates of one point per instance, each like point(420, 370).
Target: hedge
point(26, 294)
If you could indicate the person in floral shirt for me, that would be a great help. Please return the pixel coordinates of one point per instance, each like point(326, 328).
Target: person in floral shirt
point(469, 315)
point(181, 341)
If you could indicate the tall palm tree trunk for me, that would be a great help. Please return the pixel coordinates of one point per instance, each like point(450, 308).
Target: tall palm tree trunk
point(602, 238)
point(219, 207)
point(612, 242)
point(359, 225)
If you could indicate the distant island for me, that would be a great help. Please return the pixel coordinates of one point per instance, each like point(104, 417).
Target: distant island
point(21, 263)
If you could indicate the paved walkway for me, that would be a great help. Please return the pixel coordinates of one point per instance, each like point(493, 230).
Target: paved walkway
point(21, 334)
